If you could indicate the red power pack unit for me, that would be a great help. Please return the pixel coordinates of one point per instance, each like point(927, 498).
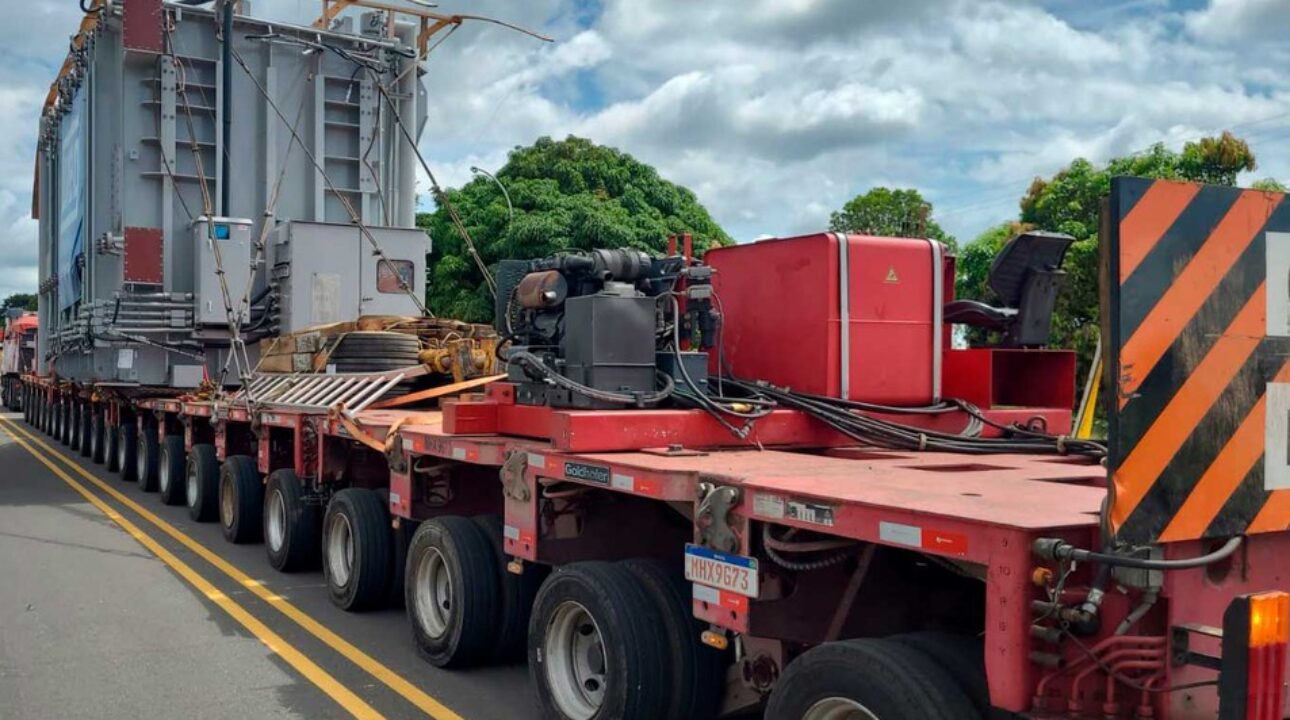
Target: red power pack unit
point(848, 316)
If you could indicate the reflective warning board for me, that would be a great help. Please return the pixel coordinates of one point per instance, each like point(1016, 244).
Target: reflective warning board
point(1198, 341)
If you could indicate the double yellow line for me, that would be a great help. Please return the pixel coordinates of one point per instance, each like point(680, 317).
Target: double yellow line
point(306, 667)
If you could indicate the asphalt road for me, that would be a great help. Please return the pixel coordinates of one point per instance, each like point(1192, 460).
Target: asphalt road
point(101, 621)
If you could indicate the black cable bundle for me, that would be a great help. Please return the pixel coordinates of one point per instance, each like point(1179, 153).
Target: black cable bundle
point(841, 416)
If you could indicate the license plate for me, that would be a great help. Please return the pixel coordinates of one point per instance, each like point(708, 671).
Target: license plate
point(735, 573)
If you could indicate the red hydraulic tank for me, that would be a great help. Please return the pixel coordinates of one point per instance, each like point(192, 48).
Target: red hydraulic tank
point(848, 316)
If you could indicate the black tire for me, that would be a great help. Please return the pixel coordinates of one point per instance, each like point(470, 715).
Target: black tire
point(963, 658)
point(57, 429)
point(518, 594)
point(111, 448)
point(358, 553)
point(172, 471)
point(127, 450)
point(241, 492)
point(97, 433)
point(77, 435)
point(697, 671)
point(65, 422)
point(201, 487)
point(889, 679)
point(585, 598)
point(296, 546)
point(85, 428)
point(454, 624)
point(148, 454)
point(401, 538)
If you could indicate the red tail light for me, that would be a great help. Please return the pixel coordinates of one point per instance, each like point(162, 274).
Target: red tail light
point(1253, 681)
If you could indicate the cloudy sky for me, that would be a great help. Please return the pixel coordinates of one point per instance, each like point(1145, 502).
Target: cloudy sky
point(775, 112)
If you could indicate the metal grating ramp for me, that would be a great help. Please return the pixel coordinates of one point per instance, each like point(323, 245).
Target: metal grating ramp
point(306, 391)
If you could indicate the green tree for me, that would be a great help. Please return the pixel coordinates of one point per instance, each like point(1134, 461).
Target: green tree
point(1269, 184)
point(26, 301)
point(568, 194)
point(883, 211)
point(1071, 202)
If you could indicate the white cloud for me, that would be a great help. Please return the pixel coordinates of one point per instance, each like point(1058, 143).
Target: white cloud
point(1240, 20)
point(775, 112)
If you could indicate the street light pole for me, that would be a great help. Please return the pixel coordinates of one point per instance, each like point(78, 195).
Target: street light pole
point(509, 207)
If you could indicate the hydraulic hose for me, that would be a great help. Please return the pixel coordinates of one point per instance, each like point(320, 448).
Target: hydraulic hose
point(1060, 550)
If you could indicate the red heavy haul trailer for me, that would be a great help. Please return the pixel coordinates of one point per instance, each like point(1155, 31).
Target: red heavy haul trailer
point(767, 480)
point(18, 355)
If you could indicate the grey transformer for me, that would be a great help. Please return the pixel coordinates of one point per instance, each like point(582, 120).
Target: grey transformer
point(135, 201)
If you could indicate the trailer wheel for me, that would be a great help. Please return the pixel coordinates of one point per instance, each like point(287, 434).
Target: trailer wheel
point(518, 593)
point(149, 455)
point(961, 656)
point(697, 671)
point(127, 451)
point(401, 538)
point(58, 421)
point(171, 471)
point(97, 433)
point(452, 593)
point(201, 483)
point(595, 650)
point(291, 534)
point(112, 445)
point(241, 500)
point(357, 550)
point(84, 428)
point(74, 442)
point(868, 679)
point(66, 429)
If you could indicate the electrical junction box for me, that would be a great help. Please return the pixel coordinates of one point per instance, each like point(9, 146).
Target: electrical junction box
point(848, 316)
point(232, 238)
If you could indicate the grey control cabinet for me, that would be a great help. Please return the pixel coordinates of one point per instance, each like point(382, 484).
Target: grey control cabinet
point(231, 238)
point(326, 273)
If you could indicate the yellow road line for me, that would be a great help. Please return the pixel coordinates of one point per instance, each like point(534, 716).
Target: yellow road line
point(371, 665)
point(315, 674)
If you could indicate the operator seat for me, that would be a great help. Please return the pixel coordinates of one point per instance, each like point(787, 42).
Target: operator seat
point(1025, 276)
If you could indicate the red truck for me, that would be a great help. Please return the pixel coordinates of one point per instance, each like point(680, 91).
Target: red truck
point(827, 511)
point(18, 356)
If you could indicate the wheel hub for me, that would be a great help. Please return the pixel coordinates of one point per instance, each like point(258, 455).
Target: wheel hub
point(433, 593)
point(277, 520)
point(838, 708)
point(226, 503)
point(191, 484)
point(576, 665)
point(340, 549)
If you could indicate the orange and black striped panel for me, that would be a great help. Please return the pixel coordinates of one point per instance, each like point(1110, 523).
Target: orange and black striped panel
point(1199, 423)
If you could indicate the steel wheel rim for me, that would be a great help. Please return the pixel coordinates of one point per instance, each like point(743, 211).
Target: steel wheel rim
point(433, 593)
point(838, 708)
point(190, 486)
point(163, 473)
point(226, 502)
point(340, 549)
point(277, 520)
point(121, 453)
point(141, 450)
point(576, 662)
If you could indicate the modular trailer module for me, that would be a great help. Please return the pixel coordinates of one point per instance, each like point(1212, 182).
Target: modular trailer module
point(646, 560)
point(825, 578)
